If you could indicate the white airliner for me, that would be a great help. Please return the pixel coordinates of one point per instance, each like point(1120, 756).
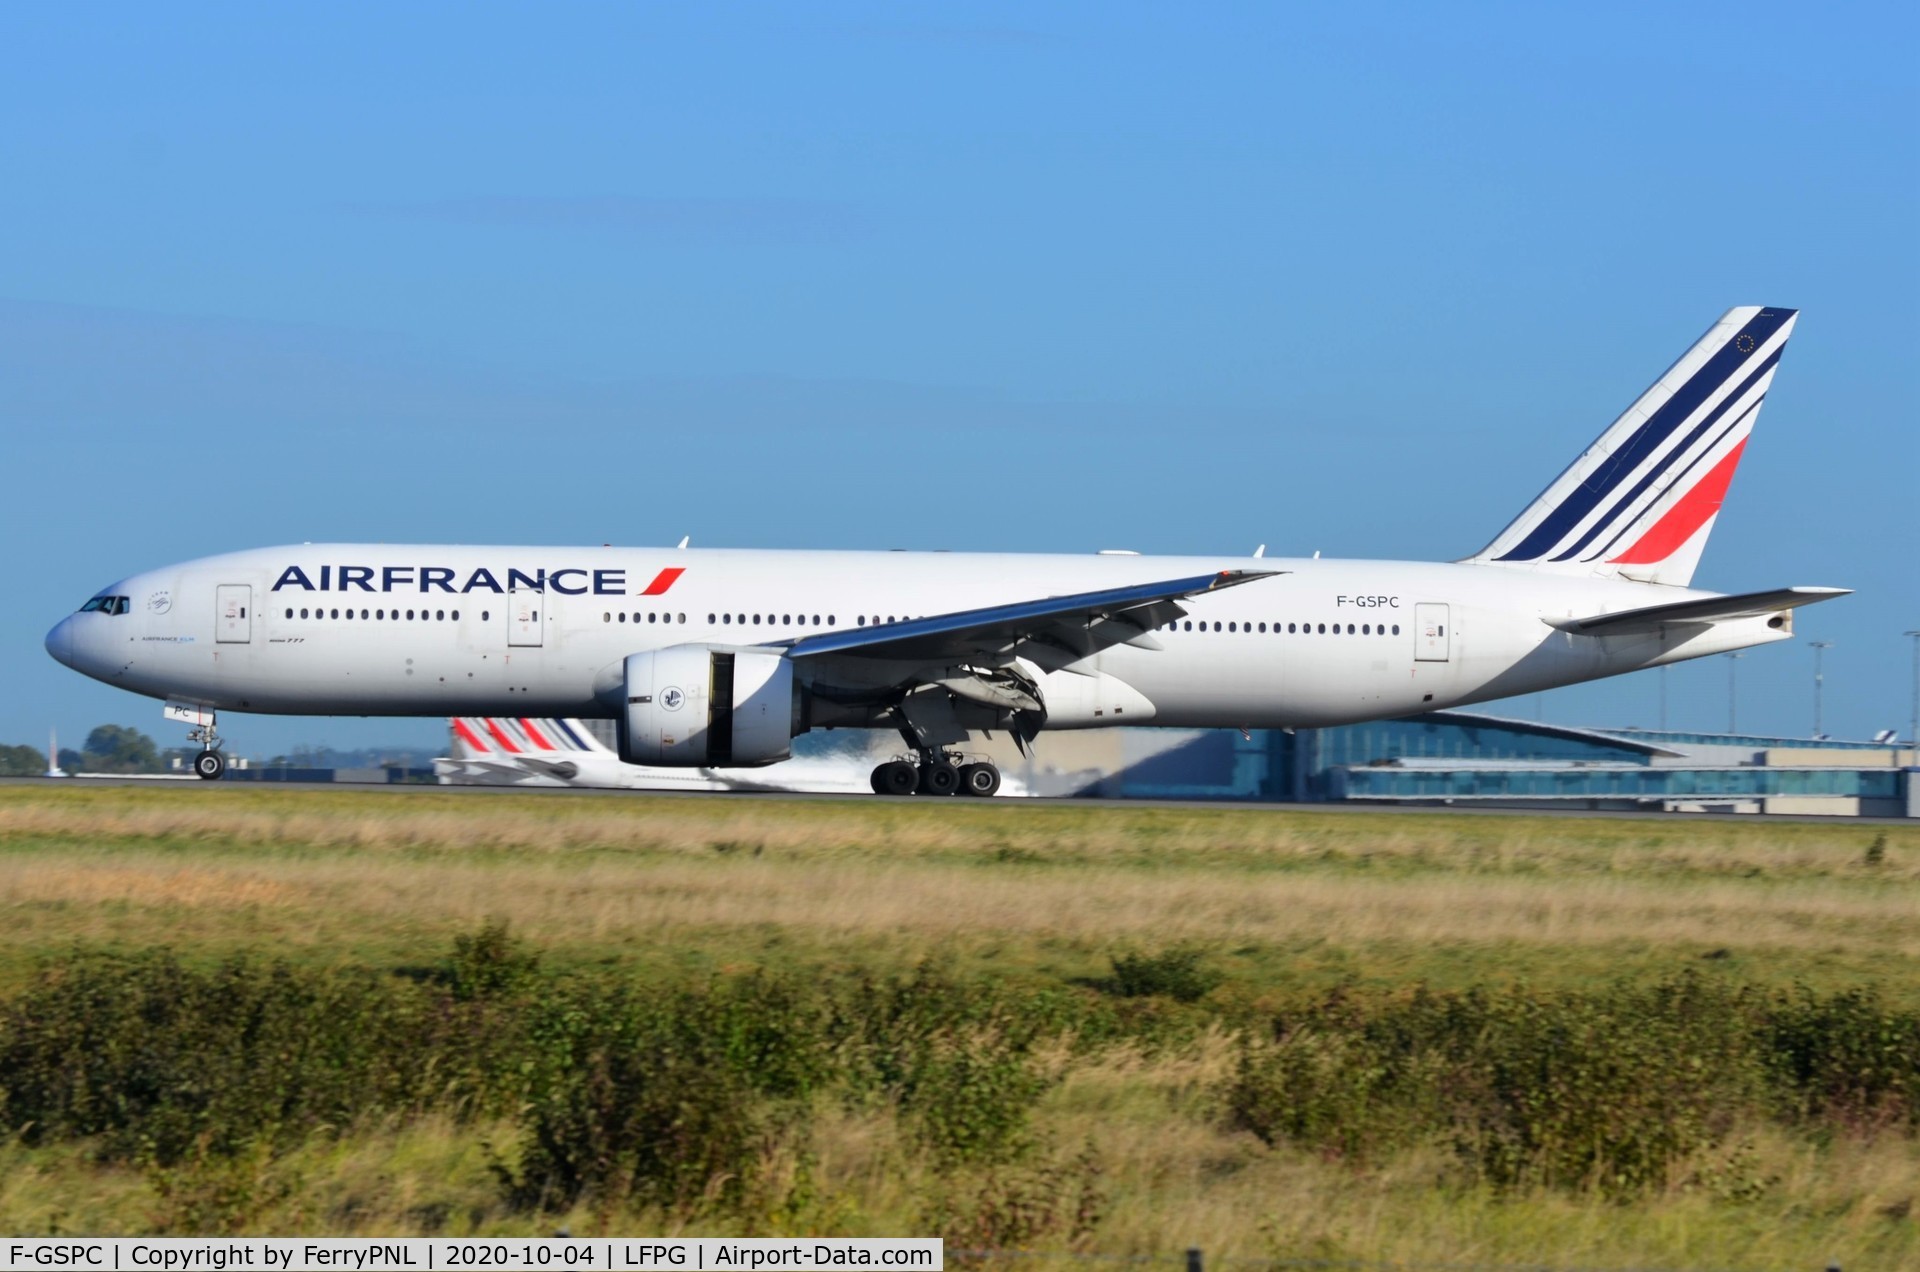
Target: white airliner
point(718, 659)
point(510, 751)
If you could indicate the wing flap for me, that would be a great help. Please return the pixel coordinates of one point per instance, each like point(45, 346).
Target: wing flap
point(1711, 609)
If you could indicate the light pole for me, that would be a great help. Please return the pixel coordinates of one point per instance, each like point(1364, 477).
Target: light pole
point(1913, 726)
point(1820, 648)
point(1733, 666)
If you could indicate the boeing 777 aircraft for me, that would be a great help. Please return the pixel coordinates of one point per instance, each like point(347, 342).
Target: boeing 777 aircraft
point(718, 659)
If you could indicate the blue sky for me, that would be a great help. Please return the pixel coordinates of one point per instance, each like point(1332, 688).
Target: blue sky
point(1354, 279)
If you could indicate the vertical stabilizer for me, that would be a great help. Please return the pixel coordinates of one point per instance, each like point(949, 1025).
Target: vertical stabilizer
point(1640, 502)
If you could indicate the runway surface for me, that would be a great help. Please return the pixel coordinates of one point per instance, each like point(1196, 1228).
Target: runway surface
point(401, 790)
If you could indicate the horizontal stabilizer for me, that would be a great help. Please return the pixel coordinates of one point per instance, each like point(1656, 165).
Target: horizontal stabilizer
point(1710, 609)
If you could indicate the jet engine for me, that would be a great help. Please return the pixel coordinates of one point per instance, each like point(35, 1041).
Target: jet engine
point(698, 706)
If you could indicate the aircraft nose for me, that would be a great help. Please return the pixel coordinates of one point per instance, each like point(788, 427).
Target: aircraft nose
point(60, 641)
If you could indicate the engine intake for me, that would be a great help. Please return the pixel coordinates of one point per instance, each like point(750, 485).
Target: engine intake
point(695, 706)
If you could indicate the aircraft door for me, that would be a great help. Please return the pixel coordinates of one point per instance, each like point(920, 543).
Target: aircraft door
point(233, 613)
point(526, 618)
point(1431, 641)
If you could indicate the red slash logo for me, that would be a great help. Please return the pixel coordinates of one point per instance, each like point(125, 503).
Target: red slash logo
point(664, 580)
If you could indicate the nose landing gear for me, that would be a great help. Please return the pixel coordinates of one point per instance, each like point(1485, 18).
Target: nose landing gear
point(210, 765)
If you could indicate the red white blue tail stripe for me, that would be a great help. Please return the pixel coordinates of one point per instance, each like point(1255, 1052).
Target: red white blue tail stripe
point(1642, 499)
point(504, 735)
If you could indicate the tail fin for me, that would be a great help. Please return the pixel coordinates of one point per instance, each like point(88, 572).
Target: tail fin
point(1641, 501)
point(561, 735)
point(469, 737)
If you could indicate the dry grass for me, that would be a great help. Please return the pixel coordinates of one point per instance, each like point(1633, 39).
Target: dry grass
point(725, 882)
point(414, 823)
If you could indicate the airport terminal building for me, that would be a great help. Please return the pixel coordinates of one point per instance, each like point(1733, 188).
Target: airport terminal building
point(1458, 757)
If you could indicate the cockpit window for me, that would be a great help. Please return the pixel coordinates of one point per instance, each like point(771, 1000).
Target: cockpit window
point(105, 605)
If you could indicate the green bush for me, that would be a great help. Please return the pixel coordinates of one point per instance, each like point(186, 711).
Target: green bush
point(489, 963)
point(1175, 973)
point(1847, 1061)
point(679, 1099)
point(159, 1060)
point(955, 1060)
point(1606, 1090)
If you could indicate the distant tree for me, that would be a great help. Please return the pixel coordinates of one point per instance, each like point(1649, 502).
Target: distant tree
point(21, 761)
point(114, 748)
point(71, 761)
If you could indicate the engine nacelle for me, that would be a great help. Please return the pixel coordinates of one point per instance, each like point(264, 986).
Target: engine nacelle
point(695, 706)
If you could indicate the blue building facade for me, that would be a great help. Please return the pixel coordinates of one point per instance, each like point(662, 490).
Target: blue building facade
point(1464, 757)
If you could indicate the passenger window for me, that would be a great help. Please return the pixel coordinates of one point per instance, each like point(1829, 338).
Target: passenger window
point(409, 616)
point(289, 613)
point(727, 618)
point(303, 613)
point(485, 615)
point(1396, 629)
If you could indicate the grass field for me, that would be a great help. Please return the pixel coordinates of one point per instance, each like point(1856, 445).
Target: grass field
point(1132, 1143)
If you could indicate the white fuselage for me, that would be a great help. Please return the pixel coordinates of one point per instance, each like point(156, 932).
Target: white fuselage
point(435, 631)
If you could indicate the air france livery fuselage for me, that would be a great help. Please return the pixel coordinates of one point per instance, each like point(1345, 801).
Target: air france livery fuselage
point(718, 658)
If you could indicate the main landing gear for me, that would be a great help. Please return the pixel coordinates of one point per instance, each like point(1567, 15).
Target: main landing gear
point(937, 773)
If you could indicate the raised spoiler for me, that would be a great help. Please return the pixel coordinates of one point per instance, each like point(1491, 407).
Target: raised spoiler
point(1706, 610)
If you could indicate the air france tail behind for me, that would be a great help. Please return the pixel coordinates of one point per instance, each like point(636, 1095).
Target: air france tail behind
point(1641, 501)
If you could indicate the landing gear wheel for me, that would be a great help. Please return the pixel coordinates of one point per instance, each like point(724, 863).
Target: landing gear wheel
point(979, 779)
point(937, 777)
point(895, 777)
point(210, 765)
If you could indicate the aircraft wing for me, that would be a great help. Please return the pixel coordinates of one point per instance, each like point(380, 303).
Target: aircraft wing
point(1078, 625)
point(1711, 609)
